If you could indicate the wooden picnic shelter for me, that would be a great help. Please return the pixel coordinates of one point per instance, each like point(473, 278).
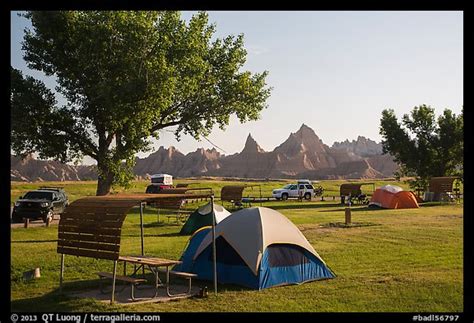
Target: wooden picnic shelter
point(443, 187)
point(354, 189)
point(92, 226)
point(234, 193)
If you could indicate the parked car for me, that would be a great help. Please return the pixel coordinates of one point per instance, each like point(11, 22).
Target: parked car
point(42, 203)
point(302, 189)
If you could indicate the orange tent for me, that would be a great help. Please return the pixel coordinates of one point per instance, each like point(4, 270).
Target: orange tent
point(393, 197)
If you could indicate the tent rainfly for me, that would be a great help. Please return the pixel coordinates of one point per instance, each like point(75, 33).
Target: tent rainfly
point(202, 217)
point(393, 197)
point(256, 247)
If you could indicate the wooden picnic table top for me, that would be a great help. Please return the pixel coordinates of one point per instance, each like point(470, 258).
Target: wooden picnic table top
point(150, 261)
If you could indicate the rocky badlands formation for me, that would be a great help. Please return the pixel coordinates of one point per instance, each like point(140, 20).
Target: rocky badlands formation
point(303, 154)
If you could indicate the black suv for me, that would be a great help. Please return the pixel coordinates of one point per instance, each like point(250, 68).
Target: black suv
point(42, 204)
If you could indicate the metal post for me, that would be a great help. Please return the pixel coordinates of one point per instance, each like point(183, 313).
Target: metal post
point(142, 234)
point(113, 282)
point(214, 258)
point(141, 228)
point(61, 274)
point(348, 213)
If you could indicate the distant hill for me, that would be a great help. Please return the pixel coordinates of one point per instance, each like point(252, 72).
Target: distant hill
point(363, 147)
point(31, 170)
point(302, 154)
point(172, 161)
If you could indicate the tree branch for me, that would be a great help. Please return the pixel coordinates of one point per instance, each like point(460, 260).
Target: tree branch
point(86, 146)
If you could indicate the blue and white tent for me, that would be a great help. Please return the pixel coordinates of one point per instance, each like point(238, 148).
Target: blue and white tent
point(257, 248)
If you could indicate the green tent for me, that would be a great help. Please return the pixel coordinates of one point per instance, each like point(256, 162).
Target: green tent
point(203, 217)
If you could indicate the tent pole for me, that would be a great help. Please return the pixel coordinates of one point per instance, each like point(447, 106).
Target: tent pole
point(214, 260)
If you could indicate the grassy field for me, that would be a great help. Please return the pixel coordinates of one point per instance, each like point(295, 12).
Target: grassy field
point(396, 261)
point(76, 190)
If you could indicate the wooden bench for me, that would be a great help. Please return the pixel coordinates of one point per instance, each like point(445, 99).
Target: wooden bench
point(187, 276)
point(130, 280)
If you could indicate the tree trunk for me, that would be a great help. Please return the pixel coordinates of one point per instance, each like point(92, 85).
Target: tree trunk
point(106, 177)
point(104, 183)
point(103, 186)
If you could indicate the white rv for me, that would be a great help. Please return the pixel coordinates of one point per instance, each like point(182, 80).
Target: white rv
point(161, 179)
point(159, 182)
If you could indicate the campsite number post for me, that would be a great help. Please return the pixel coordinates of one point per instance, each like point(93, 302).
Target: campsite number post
point(348, 213)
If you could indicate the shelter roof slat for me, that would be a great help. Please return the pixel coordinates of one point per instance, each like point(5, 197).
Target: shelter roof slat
point(90, 245)
point(90, 230)
point(87, 223)
point(88, 253)
point(105, 216)
point(74, 236)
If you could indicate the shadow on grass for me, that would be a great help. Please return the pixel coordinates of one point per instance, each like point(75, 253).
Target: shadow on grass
point(173, 234)
point(431, 204)
point(51, 302)
point(33, 241)
point(220, 287)
point(147, 235)
point(348, 226)
point(305, 206)
point(160, 224)
point(356, 209)
point(146, 211)
point(54, 301)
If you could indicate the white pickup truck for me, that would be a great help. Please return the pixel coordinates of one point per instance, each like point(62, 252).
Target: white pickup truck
point(302, 189)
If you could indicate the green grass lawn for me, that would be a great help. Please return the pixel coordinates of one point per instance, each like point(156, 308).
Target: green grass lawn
point(77, 190)
point(396, 261)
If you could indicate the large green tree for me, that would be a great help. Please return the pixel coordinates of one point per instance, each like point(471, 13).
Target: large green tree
point(125, 76)
point(423, 146)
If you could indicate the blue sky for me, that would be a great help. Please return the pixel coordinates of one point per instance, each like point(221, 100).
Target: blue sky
point(334, 71)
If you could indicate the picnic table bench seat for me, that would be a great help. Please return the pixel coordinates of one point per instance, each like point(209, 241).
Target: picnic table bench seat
point(179, 273)
point(131, 280)
point(187, 276)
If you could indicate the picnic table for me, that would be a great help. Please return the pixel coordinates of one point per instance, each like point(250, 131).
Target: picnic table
point(153, 265)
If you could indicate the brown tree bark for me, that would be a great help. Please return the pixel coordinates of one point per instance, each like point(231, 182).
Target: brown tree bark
point(104, 185)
